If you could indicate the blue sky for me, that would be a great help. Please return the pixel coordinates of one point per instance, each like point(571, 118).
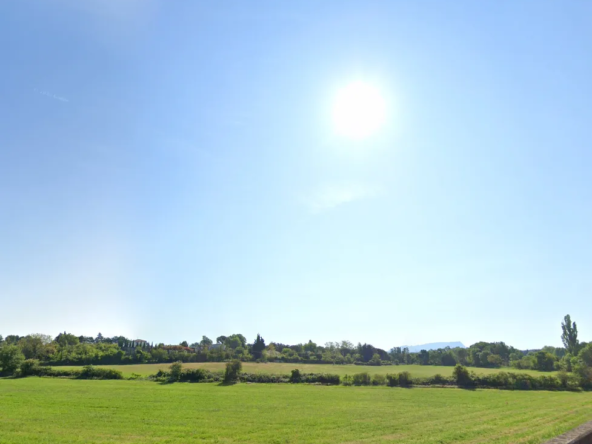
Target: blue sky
point(171, 169)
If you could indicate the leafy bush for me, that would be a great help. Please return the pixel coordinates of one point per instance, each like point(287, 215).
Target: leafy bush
point(543, 361)
point(58, 372)
point(583, 373)
point(375, 360)
point(392, 380)
point(438, 379)
point(320, 378)
point(362, 379)
point(264, 378)
point(90, 372)
point(233, 369)
point(295, 376)
point(405, 379)
point(516, 381)
point(30, 367)
point(176, 370)
point(196, 375)
point(11, 359)
point(378, 380)
point(462, 376)
point(347, 380)
point(189, 375)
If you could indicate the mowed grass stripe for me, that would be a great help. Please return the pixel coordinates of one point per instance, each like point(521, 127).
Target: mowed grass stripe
point(72, 411)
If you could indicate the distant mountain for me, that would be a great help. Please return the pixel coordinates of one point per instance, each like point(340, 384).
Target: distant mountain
point(433, 346)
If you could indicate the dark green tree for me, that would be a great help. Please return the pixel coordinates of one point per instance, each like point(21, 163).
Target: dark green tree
point(232, 373)
point(176, 369)
point(206, 342)
point(543, 361)
point(258, 347)
point(570, 335)
point(11, 358)
point(585, 355)
point(424, 357)
point(184, 344)
point(310, 347)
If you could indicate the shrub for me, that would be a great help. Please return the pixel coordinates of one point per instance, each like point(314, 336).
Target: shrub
point(327, 378)
point(375, 360)
point(295, 376)
point(583, 374)
point(362, 379)
point(58, 373)
point(347, 380)
point(195, 375)
point(30, 367)
point(392, 380)
point(233, 369)
point(378, 380)
point(264, 378)
point(544, 361)
point(461, 376)
point(90, 372)
point(176, 370)
point(11, 359)
point(438, 379)
point(405, 379)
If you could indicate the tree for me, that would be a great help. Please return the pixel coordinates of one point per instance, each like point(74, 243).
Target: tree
point(448, 359)
point(258, 347)
point(33, 346)
point(461, 376)
point(184, 344)
point(86, 339)
point(424, 357)
point(176, 370)
point(570, 335)
point(99, 339)
point(235, 341)
point(206, 342)
point(495, 360)
point(11, 358)
point(543, 361)
point(233, 369)
point(221, 339)
point(375, 360)
point(310, 347)
point(585, 355)
point(12, 339)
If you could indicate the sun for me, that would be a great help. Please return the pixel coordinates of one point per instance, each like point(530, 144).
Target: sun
point(359, 110)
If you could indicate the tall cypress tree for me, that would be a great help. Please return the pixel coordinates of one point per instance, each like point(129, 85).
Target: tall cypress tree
point(570, 335)
point(258, 347)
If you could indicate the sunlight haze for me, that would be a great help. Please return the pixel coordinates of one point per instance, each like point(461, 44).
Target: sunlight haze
point(388, 172)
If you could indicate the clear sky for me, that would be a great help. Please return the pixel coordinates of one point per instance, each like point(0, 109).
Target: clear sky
point(174, 169)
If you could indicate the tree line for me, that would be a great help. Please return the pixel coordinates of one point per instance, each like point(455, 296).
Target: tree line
point(69, 349)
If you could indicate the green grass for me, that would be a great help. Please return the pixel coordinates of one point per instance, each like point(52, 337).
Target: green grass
point(58, 411)
point(280, 368)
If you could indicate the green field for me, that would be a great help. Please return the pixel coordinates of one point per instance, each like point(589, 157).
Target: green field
point(44, 410)
point(280, 368)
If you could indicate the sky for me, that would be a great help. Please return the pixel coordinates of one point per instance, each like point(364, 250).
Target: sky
point(174, 169)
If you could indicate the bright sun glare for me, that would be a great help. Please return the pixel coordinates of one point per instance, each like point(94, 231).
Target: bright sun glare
point(359, 110)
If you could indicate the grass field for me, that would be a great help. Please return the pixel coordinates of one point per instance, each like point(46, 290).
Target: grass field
point(44, 410)
point(280, 368)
